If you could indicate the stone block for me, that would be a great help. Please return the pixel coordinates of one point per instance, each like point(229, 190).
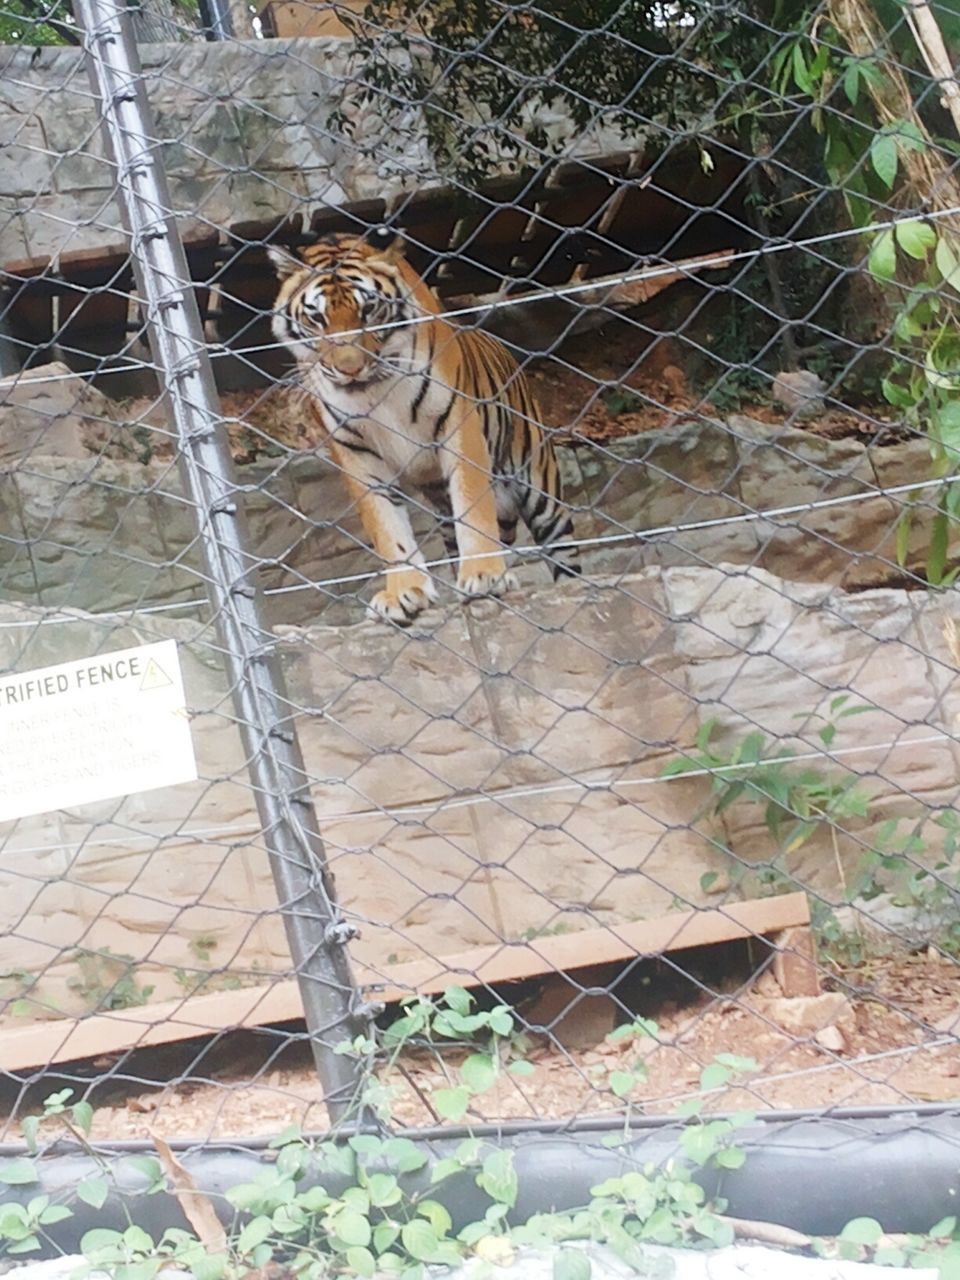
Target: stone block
point(46, 412)
point(26, 164)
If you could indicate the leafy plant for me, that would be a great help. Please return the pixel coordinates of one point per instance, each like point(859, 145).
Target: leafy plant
point(108, 980)
point(622, 400)
point(881, 153)
point(15, 987)
point(796, 797)
point(489, 80)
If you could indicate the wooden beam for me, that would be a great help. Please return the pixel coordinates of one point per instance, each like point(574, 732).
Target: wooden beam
point(69, 1039)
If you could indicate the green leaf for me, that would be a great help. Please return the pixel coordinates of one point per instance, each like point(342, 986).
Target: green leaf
point(903, 536)
point(800, 72)
point(351, 1228)
point(151, 1169)
point(365, 1144)
point(208, 1266)
point(714, 1075)
point(357, 1199)
point(915, 237)
point(478, 1072)
point(55, 1213)
point(730, 1158)
point(571, 1264)
point(29, 1127)
point(436, 1215)
point(137, 1239)
point(384, 1236)
point(99, 1240)
point(445, 1169)
point(451, 1103)
point(882, 259)
point(26, 1245)
point(18, 1173)
point(939, 547)
point(403, 1155)
point(861, 1231)
point(701, 1141)
point(947, 263)
point(884, 158)
point(498, 1178)
point(383, 1190)
point(93, 1191)
point(500, 1021)
point(895, 395)
point(851, 83)
point(419, 1240)
point(886, 1256)
point(622, 1083)
point(254, 1232)
point(83, 1116)
point(944, 1228)
point(947, 422)
point(521, 1068)
point(361, 1261)
point(468, 1151)
point(458, 999)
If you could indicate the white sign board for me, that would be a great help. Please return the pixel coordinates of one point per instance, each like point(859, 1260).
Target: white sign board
point(100, 728)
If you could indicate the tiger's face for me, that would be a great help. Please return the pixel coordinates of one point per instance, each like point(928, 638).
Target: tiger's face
point(330, 302)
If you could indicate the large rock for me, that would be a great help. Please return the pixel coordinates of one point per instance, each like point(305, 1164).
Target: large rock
point(673, 497)
point(497, 772)
point(244, 131)
point(48, 412)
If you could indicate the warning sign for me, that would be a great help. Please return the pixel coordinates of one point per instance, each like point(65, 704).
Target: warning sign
point(100, 728)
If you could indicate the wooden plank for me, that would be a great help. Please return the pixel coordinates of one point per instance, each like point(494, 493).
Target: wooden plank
point(65, 1040)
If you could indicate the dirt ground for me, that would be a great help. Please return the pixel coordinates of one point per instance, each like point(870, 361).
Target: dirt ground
point(897, 1044)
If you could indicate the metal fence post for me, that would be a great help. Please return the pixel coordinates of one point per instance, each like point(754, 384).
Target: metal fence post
point(316, 932)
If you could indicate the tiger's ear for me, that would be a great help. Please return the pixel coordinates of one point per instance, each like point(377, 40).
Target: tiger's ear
point(388, 244)
point(286, 264)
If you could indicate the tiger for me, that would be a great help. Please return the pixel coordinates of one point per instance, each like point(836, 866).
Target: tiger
point(415, 409)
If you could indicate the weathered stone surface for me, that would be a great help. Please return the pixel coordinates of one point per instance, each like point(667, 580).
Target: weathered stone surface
point(799, 389)
point(55, 517)
point(47, 412)
point(764, 654)
point(805, 1015)
point(224, 114)
point(492, 774)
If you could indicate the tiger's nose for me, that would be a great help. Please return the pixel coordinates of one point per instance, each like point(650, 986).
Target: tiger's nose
point(349, 360)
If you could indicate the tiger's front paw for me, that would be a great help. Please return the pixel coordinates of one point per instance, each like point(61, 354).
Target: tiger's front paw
point(401, 604)
point(486, 582)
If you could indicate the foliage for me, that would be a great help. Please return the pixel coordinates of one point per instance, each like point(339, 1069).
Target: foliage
point(796, 797)
point(372, 1204)
point(51, 22)
point(492, 79)
point(883, 162)
point(382, 1219)
point(108, 980)
point(916, 861)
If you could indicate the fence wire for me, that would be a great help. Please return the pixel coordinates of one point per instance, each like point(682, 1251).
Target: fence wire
point(681, 824)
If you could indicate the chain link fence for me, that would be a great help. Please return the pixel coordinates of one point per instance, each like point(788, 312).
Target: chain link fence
point(682, 826)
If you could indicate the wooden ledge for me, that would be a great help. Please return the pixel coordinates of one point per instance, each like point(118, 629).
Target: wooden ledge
point(42, 1044)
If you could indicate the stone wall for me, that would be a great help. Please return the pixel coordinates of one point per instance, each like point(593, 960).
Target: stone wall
point(91, 528)
point(243, 131)
point(492, 776)
point(497, 771)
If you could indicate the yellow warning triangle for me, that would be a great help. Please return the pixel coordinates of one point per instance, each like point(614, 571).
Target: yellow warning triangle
point(154, 677)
